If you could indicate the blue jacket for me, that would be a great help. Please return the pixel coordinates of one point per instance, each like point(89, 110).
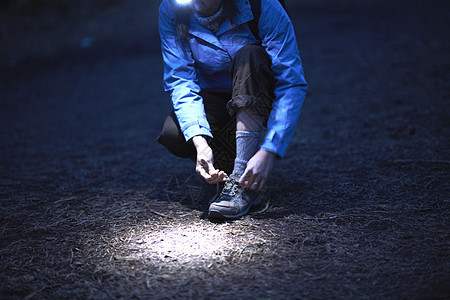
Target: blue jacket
point(206, 65)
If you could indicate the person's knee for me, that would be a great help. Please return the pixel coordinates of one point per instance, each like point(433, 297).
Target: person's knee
point(255, 55)
point(250, 51)
point(172, 139)
point(248, 120)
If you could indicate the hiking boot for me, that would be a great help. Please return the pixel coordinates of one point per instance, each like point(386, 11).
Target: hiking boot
point(234, 201)
point(219, 187)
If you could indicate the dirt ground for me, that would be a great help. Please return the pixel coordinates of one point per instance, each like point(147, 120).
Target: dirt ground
point(93, 208)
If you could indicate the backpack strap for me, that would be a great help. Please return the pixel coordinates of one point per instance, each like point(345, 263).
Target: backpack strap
point(253, 24)
point(256, 11)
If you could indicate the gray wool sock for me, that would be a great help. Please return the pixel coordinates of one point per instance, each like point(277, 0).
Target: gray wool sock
point(247, 143)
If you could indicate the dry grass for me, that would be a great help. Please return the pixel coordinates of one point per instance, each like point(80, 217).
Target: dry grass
point(92, 208)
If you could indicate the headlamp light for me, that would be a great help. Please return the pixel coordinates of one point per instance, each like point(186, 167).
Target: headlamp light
point(183, 2)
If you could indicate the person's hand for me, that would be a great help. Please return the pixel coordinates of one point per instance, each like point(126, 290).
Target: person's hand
point(205, 160)
point(258, 170)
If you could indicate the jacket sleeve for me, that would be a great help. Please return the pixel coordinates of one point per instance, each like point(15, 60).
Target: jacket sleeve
point(180, 78)
point(278, 37)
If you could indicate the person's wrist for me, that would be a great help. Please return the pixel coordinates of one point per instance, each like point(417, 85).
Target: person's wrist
point(269, 153)
point(199, 142)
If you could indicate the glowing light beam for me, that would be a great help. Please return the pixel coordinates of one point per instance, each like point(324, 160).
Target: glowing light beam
point(183, 2)
point(182, 244)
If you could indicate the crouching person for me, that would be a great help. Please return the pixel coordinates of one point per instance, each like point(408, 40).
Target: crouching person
point(234, 74)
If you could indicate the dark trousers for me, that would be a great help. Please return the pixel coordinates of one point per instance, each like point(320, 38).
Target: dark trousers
point(253, 85)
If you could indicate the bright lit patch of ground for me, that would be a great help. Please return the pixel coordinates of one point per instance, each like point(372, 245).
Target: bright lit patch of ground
point(182, 244)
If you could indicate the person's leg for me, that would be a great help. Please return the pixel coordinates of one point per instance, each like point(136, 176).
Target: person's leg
point(172, 138)
point(223, 127)
point(253, 85)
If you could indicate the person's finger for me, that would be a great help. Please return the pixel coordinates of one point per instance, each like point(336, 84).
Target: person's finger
point(251, 180)
point(213, 180)
point(246, 179)
point(201, 171)
point(218, 176)
point(222, 176)
point(255, 184)
point(242, 181)
point(262, 184)
point(209, 167)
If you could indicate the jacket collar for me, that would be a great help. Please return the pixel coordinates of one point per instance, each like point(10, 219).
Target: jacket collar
point(243, 15)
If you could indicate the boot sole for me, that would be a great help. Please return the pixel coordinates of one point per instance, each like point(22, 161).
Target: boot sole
point(217, 215)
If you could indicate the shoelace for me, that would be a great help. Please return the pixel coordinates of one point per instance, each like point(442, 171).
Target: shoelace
point(231, 187)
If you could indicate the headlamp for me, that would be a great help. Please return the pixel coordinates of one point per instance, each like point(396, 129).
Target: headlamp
point(183, 2)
